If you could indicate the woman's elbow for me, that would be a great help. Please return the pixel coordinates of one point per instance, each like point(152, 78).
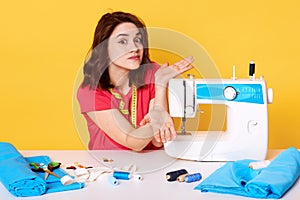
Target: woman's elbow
point(137, 145)
point(137, 149)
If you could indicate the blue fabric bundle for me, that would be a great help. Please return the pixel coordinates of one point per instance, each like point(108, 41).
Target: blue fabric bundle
point(17, 176)
point(53, 183)
point(270, 182)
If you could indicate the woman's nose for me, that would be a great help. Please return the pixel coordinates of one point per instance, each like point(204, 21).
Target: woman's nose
point(133, 47)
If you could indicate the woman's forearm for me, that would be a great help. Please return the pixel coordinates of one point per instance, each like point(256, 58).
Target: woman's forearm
point(161, 96)
point(113, 123)
point(138, 138)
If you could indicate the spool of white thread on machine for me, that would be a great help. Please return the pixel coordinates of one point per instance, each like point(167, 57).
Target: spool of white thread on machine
point(233, 73)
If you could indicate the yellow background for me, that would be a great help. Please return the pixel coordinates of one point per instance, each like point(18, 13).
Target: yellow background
point(43, 45)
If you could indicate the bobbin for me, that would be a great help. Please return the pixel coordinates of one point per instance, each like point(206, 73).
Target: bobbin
point(113, 181)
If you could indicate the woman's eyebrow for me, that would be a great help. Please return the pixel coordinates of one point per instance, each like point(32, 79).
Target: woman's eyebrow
point(124, 34)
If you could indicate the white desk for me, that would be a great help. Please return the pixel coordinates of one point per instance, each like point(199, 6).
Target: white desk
point(151, 165)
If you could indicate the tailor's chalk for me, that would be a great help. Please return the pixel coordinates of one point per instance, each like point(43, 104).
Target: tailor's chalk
point(192, 177)
point(181, 177)
point(172, 176)
point(121, 175)
point(113, 181)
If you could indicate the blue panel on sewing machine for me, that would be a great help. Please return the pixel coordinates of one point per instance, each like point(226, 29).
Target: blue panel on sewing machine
point(248, 93)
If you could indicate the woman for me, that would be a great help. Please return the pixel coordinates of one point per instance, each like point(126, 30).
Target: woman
point(123, 94)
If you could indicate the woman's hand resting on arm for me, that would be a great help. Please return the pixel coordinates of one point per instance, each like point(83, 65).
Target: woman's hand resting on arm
point(162, 124)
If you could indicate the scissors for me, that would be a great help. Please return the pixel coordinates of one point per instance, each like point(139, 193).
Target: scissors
point(48, 169)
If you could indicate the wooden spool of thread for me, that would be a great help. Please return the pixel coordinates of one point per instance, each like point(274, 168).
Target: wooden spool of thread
point(181, 177)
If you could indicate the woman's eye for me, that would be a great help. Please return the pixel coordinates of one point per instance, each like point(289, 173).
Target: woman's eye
point(138, 40)
point(123, 41)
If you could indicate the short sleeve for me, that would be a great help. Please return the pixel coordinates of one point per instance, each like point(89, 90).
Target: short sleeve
point(93, 100)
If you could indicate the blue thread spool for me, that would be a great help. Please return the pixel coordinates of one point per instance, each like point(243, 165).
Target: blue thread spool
point(192, 177)
point(121, 175)
point(112, 180)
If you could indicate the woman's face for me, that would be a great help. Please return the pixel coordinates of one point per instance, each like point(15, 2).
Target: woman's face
point(125, 48)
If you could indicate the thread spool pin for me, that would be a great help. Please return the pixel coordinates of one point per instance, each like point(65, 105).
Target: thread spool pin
point(252, 70)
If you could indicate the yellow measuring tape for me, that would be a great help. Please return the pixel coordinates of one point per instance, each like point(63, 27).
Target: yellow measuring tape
point(122, 104)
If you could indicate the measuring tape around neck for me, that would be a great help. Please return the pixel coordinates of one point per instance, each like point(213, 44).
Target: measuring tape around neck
point(122, 104)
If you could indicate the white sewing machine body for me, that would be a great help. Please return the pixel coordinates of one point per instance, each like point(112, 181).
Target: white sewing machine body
point(246, 134)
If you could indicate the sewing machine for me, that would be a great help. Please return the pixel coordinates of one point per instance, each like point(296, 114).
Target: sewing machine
point(246, 134)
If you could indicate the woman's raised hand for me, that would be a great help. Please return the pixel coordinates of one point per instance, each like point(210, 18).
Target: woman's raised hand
point(167, 72)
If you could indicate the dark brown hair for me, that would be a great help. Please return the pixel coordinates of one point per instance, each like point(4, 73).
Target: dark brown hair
point(96, 67)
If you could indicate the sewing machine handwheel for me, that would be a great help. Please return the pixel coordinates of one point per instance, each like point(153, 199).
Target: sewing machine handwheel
point(230, 93)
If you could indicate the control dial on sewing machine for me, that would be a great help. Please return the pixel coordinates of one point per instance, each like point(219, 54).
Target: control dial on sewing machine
point(230, 93)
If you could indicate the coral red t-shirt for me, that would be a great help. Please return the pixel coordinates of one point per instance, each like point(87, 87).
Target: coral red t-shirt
point(97, 100)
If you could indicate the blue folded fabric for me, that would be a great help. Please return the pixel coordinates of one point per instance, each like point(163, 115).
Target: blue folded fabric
point(16, 175)
point(271, 182)
point(18, 178)
point(53, 183)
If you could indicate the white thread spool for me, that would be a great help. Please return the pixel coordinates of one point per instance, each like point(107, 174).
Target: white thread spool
point(137, 177)
point(233, 73)
point(113, 181)
point(67, 180)
point(259, 164)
